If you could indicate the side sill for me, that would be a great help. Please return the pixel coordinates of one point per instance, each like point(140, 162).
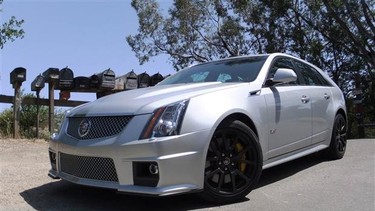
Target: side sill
point(294, 155)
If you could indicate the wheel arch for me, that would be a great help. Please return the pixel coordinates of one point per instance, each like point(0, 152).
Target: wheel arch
point(241, 117)
point(342, 112)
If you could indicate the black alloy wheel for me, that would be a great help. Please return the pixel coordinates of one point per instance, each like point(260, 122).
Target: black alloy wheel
point(233, 163)
point(338, 143)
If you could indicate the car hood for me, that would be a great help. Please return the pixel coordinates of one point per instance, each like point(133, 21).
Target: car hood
point(146, 100)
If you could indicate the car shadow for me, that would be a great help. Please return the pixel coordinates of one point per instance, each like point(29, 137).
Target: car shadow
point(61, 195)
point(280, 172)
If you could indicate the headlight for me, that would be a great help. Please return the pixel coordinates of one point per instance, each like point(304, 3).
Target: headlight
point(59, 127)
point(166, 120)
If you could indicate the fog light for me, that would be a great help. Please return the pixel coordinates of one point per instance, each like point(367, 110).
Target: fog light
point(52, 158)
point(146, 173)
point(154, 169)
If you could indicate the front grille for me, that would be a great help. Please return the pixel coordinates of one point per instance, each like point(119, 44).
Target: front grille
point(96, 127)
point(95, 168)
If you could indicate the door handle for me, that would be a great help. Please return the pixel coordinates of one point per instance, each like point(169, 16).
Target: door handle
point(305, 99)
point(326, 96)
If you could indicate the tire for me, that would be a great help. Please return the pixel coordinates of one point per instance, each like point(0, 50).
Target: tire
point(337, 147)
point(233, 163)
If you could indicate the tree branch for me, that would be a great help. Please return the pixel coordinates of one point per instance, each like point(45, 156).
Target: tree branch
point(366, 10)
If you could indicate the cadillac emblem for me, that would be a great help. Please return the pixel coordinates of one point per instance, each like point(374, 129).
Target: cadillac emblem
point(84, 128)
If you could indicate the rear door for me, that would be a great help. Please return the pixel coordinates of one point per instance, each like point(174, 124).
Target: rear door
point(321, 101)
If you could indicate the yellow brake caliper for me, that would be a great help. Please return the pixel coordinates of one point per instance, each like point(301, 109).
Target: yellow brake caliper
point(241, 165)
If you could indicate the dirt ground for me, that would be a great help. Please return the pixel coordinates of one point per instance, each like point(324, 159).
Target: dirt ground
point(309, 183)
point(23, 164)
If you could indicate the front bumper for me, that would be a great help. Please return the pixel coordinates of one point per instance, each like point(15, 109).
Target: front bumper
point(180, 161)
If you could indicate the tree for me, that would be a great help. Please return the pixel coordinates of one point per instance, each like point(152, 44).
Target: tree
point(338, 36)
point(10, 30)
point(28, 117)
point(198, 31)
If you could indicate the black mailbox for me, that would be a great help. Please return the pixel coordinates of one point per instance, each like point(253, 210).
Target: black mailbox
point(38, 83)
point(106, 79)
point(144, 80)
point(94, 81)
point(81, 83)
point(127, 82)
point(156, 78)
point(51, 74)
point(18, 75)
point(66, 77)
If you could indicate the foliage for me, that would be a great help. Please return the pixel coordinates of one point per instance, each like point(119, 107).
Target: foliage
point(10, 30)
point(28, 116)
point(6, 122)
point(338, 36)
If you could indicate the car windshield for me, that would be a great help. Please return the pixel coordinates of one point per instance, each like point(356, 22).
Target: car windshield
point(244, 69)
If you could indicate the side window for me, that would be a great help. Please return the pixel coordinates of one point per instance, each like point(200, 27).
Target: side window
point(310, 75)
point(224, 77)
point(198, 77)
point(281, 63)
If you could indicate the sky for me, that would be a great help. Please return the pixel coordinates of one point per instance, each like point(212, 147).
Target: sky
point(88, 36)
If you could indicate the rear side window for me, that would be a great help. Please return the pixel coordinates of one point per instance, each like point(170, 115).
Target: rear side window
point(310, 75)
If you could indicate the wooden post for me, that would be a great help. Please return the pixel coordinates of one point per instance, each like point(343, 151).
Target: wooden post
point(16, 110)
point(51, 109)
point(37, 113)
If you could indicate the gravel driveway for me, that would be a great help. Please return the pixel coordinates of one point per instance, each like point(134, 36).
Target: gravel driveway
point(310, 183)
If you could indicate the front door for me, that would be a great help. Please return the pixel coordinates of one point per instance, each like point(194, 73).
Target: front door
point(289, 113)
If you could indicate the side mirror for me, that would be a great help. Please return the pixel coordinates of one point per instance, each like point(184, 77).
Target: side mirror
point(282, 76)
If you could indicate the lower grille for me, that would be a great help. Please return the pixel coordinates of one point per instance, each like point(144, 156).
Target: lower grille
point(95, 168)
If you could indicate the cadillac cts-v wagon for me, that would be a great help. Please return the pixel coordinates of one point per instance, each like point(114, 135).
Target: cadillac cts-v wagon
point(210, 128)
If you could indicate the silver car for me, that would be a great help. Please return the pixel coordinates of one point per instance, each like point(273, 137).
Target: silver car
point(210, 128)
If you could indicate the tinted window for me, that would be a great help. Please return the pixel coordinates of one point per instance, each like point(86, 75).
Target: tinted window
point(310, 75)
point(244, 69)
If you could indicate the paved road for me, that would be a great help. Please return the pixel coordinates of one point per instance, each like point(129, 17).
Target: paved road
point(310, 183)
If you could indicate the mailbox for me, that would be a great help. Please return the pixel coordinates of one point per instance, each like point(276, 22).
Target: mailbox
point(127, 82)
point(119, 83)
point(66, 77)
point(18, 75)
point(156, 78)
point(106, 79)
point(94, 81)
point(144, 80)
point(38, 83)
point(131, 81)
point(81, 83)
point(51, 74)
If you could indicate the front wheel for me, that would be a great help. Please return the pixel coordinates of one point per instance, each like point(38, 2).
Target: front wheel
point(233, 163)
point(337, 147)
